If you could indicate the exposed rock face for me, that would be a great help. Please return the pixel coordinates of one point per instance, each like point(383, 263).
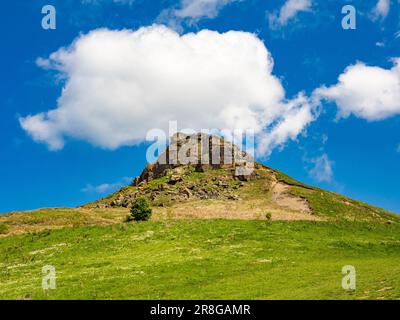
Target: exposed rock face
point(186, 155)
point(202, 151)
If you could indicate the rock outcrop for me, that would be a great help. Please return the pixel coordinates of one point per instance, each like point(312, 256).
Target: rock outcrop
point(197, 166)
point(203, 152)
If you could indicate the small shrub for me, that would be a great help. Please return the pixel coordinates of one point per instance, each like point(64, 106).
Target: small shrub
point(140, 211)
point(268, 216)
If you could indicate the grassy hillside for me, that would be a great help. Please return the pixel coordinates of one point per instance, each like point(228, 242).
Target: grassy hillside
point(205, 259)
point(209, 238)
point(226, 197)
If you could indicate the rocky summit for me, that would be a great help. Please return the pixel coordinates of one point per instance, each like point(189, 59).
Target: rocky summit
point(196, 166)
point(202, 152)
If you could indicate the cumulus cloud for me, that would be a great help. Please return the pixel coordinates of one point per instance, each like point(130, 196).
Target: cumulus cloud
point(106, 187)
point(288, 11)
point(322, 170)
point(121, 84)
point(381, 9)
point(368, 92)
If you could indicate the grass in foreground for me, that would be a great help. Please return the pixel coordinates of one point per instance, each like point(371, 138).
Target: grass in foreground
point(204, 259)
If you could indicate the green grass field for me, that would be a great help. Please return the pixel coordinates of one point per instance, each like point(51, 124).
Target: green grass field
point(204, 259)
point(205, 248)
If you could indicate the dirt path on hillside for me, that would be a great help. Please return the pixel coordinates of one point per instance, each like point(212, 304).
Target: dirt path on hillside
point(283, 199)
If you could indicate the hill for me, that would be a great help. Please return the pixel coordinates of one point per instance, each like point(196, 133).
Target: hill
point(219, 230)
point(236, 189)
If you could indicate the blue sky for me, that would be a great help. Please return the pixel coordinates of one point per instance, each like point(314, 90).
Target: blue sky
point(357, 154)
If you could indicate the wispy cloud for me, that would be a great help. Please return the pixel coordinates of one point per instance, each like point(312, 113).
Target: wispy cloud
point(381, 10)
point(288, 12)
point(106, 187)
point(322, 169)
point(197, 9)
point(191, 11)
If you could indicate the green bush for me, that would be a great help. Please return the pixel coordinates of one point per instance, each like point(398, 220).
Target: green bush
point(268, 216)
point(140, 211)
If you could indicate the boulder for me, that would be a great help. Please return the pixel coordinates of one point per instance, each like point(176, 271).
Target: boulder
point(186, 192)
point(174, 179)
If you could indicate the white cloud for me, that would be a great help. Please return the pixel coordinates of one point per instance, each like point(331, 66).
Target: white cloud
point(107, 187)
point(191, 11)
point(288, 11)
point(381, 9)
point(120, 84)
point(200, 8)
point(43, 129)
point(297, 115)
point(322, 168)
point(368, 92)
